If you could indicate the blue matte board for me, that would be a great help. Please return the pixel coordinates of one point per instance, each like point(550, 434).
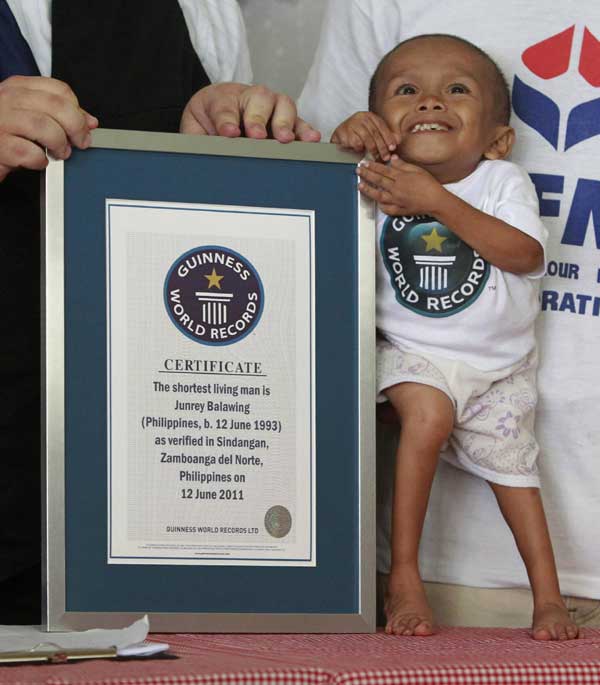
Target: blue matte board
point(330, 189)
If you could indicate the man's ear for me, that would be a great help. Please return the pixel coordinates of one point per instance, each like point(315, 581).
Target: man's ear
point(501, 146)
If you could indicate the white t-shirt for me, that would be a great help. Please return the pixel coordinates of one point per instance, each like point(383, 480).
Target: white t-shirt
point(437, 296)
point(216, 30)
point(550, 59)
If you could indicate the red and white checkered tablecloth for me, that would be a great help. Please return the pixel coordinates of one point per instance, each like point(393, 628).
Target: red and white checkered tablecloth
point(468, 656)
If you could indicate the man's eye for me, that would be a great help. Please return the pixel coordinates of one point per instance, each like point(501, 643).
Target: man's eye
point(458, 88)
point(406, 89)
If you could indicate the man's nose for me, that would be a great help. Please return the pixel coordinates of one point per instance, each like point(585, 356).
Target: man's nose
point(431, 102)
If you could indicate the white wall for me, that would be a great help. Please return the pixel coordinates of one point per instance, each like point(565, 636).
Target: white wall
point(283, 36)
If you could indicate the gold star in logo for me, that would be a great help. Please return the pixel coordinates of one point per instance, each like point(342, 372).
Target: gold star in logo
point(434, 241)
point(214, 281)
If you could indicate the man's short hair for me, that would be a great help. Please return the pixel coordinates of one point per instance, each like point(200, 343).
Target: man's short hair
point(500, 86)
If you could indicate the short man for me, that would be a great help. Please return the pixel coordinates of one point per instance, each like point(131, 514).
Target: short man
point(550, 61)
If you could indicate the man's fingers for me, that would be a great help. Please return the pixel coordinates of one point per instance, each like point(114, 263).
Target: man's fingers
point(227, 125)
point(19, 152)
point(282, 119)
point(91, 121)
point(214, 110)
point(41, 104)
point(349, 139)
point(369, 191)
point(383, 198)
point(373, 177)
point(401, 165)
point(305, 132)
point(383, 169)
point(50, 86)
point(354, 137)
point(38, 127)
point(224, 115)
point(382, 136)
point(46, 84)
point(35, 113)
point(358, 141)
point(226, 122)
point(193, 127)
point(393, 209)
point(373, 192)
point(258, 104)
point(195, 119)
point(235, 109)
point(362, 139)
point(390, 139)
point(381, 147)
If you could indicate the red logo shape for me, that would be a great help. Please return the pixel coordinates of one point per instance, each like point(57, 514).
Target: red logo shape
point(551, 57)
point(589, 61)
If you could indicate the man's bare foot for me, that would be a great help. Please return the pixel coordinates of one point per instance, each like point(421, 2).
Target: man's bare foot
point(406, 608)
point(551, 621)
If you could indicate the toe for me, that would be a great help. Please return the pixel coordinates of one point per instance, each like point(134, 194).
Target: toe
point(542, 633)
point(424, 629)
point(412, 623)
point(398, 627)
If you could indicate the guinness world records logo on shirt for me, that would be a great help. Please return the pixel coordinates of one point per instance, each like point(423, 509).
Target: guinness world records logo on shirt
point(213, 295)
point(432, 271)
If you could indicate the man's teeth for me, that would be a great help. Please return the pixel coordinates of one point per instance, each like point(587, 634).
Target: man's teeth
point(429, 127)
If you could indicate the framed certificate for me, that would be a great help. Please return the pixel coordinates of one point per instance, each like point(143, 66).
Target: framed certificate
point(209, 361)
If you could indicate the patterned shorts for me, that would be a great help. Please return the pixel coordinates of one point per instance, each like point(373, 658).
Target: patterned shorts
point(493, 435)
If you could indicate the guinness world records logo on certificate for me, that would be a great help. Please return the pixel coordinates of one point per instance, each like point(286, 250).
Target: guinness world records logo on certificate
point(212, 434)
point(202, 309)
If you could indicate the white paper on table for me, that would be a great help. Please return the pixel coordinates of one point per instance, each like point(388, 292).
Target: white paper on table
point(129, 641)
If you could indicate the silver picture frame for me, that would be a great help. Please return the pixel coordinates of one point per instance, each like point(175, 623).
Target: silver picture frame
point(58, 614)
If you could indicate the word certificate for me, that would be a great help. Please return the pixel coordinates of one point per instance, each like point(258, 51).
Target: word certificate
point(211, 384)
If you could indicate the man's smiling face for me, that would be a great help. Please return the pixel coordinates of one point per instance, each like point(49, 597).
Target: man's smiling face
point(438, 95)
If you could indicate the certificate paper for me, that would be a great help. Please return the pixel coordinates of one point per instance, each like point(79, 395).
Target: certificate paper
point(210, 371)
